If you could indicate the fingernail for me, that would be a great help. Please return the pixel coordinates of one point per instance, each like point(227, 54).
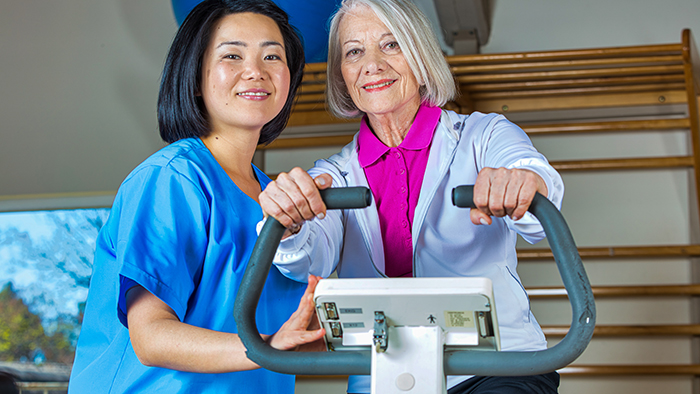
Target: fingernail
point(321, 181)
point(321, 215)
point(483, 221)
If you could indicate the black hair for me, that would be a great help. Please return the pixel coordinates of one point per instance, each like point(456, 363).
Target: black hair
point(181, 112)
point(8, 383)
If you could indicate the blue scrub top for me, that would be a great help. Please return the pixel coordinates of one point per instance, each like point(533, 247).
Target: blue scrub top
point(183, 230)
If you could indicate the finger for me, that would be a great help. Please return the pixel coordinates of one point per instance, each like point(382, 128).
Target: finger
point(304, 193)
point(287, 340)
point(527, 193)
point(499, 179)
point(307, 315)
point(270, 201)
point(323, 181)
point(310, 190)
point(318, 345)
point(477, 217)
point(308, 337)
point(305, 311)
point(511, 196)
point(482, 190)
point(291, 197)
point(311, 284)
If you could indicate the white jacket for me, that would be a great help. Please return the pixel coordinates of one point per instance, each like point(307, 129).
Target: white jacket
point(445, 242)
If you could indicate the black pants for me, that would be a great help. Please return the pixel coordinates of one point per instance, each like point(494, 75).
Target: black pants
point(536, 384)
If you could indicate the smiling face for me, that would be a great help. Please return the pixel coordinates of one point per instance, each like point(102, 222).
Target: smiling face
point(374, 68)
point(245, 79)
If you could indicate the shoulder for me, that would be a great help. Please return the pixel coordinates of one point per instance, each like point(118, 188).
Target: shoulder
point(177, 154)
point(457, 121)
point(473, 125)
point(184, 158)
point(185, 165)
point(341, 161)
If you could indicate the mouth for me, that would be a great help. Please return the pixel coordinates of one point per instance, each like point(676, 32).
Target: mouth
point(379, 85)
point(253, 94)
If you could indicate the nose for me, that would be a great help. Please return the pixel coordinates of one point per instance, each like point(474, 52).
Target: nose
point(254, 69)
point(374, 62)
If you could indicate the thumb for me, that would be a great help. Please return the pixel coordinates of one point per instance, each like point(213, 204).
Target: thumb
point(477, 217)
point(323, 181)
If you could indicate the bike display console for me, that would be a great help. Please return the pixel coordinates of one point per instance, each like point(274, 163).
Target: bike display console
point(408, 323)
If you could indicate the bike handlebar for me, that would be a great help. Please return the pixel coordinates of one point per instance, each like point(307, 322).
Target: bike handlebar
point(456, 362)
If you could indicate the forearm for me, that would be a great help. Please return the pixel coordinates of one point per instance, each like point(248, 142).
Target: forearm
point(175, 345)
point(160, 339)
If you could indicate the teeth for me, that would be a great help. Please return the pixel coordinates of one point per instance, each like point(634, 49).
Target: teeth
point(379, 85)
point(253, 94)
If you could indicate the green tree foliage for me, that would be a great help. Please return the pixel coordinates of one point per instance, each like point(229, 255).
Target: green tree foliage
point(22, 336)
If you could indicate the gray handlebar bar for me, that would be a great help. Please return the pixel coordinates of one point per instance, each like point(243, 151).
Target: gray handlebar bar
point(457, 362)
point(321, 363)
point(580, 296)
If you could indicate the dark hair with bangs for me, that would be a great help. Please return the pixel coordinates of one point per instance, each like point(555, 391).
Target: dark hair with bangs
point(181, 113)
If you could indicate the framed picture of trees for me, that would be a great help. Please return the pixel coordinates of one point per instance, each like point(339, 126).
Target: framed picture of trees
point(45, 267)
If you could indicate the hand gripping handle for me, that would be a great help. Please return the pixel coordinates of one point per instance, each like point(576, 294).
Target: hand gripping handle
point(319, 363)
point(580, 296)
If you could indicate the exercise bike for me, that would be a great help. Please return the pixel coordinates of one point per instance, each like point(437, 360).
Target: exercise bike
point(369, 331)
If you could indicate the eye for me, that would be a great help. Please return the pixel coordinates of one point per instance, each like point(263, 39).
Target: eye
point(232, 56)
point(273, 57)
point(393, 45)
point(353, 52)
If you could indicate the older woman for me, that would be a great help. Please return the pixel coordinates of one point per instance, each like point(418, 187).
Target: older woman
point(386, 66)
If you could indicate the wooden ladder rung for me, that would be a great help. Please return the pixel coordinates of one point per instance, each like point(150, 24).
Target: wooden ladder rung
point(611, 126)
point(630, 330)
point(620, 291)
point(633, 80)
point(459, 69)
point(523, 57)
point(624, 164)
point(567, 74)
point(617, 252)
point(654, 369)
point(562, 91)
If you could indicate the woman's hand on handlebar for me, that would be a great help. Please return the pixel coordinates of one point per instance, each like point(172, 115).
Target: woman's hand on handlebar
point(301, 332)
point(294, 198)
point(504, 192)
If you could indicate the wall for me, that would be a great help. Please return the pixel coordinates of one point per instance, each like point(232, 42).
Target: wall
point(79, 79)
point(78, 90)
point(79, 84)
point(550, 25)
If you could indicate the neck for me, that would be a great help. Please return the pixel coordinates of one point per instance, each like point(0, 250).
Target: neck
point(234, 153)
point(391, 128)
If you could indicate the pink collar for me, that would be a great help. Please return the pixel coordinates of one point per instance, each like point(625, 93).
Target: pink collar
point(370, 148)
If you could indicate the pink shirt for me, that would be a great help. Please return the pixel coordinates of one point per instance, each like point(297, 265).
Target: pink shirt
point(395, 176)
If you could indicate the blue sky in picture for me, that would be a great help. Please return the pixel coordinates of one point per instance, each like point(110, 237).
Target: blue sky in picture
point(310, 17)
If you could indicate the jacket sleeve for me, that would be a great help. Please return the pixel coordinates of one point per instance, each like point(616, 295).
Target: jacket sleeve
point(504, 144)
point(315, 249)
